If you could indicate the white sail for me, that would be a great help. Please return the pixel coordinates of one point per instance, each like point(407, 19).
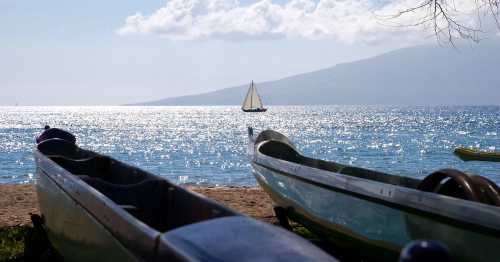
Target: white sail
point(247, 103)
point(256, 101)
point(252, 99)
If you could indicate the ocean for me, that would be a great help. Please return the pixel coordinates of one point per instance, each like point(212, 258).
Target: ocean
point(208, 145)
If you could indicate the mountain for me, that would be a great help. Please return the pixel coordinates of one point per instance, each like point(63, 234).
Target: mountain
point(422, 75)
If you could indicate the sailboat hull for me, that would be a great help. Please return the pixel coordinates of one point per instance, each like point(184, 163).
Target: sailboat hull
point(255, 110)
point(252, 102)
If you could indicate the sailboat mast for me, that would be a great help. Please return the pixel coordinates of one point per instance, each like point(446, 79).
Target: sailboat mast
point(251, 95)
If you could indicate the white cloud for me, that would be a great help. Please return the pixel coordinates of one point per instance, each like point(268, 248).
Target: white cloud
point(344, 20)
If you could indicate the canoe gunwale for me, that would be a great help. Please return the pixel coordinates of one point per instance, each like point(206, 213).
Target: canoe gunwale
point(463, 213)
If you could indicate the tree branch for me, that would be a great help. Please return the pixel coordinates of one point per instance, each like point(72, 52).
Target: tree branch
point(447, 20)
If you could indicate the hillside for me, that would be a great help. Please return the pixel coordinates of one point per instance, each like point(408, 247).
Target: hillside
point(425, 75)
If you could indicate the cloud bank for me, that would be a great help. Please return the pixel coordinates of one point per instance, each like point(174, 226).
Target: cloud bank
point(343, 20)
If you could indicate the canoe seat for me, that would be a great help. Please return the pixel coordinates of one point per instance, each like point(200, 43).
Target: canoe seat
point(129, 207)
point(133, 210)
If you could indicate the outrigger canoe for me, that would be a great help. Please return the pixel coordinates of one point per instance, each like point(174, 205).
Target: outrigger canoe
point(467, 154)
point(373, 213)
point(96, 208)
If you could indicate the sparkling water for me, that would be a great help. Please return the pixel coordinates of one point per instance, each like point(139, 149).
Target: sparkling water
point(208, 145)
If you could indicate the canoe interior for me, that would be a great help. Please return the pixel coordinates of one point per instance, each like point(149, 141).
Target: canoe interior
point(447, 182)
point(283, 151)
point(147, 197)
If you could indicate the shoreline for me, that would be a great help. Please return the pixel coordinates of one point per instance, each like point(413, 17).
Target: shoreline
point(18, 201)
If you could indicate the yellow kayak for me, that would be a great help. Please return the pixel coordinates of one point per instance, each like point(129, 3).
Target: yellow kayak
point(467, 154)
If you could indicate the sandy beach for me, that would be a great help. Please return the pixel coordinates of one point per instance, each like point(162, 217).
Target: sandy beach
point(18, 201)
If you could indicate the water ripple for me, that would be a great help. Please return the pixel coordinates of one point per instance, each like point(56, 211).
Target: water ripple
point(207, 145)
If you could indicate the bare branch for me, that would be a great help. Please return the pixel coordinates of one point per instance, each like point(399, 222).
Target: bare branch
point(447, 19)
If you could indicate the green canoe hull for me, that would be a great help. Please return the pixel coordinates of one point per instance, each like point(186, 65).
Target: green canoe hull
point(72, 230)
point(378, 231)
point(369, 213)
point(474, 155)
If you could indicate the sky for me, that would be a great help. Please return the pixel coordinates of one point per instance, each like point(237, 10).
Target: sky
point(117, 52)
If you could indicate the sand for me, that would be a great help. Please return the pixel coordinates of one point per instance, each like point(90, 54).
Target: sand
point(250, 201)
point(18, 201)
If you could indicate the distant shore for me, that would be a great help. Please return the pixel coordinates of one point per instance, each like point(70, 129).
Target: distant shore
point(18, 201)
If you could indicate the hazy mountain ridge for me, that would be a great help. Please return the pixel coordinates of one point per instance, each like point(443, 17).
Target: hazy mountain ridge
point(424, 75)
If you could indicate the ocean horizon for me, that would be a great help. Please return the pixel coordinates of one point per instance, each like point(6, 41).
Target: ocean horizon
point(207, 145)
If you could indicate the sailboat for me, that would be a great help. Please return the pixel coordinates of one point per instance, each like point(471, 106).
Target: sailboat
point(252, 102)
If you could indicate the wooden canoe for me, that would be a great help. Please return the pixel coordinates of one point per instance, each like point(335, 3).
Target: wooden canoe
point(376, 214)
point(96, 208)
point(467, 154)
